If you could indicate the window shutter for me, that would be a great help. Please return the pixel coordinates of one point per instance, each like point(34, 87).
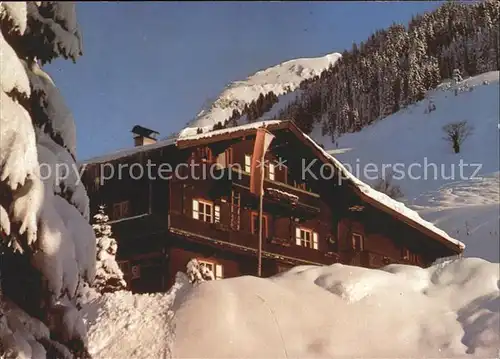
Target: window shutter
point(297, 236)
point(221, 159)
point(217, 214)
point(315, 240)
point(195, 209)
point(218, 271)
point(248, 163)
point(271, 172)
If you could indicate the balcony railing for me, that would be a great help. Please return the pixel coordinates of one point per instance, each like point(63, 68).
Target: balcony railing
point(273, 245)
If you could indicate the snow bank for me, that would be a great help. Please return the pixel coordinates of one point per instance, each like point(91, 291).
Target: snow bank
point(448, 310)
point(124, 325)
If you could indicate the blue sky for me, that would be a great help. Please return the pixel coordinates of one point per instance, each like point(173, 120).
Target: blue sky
point(157, 63)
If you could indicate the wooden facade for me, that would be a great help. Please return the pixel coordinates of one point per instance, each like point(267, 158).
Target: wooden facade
point(164, 219)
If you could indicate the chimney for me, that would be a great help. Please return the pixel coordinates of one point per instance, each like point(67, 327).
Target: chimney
point(144, 136)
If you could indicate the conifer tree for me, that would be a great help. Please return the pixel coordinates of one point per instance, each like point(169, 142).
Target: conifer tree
point(109, 277)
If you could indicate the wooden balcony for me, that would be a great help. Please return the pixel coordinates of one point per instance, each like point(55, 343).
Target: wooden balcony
point(220, 235)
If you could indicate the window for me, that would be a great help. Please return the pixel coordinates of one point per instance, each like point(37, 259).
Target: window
point(216, 214)
point(204, 154)
point(255, 224)
point(215, 268)
point(357, 242)
point(269, 171)
point(306, 238)
point(248, 163)
point(235, 210)
point(409, 256)
point(269, 168)
point(136, 271)
point(121, 210)
point(205, 211)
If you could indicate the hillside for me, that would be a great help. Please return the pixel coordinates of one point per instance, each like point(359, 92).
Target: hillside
point(414, 136)
point(280, 79)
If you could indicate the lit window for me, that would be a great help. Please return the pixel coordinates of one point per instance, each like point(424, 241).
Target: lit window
point(357, 242)
point(215, 268)
point(205, 211)
point(121, 210)
point(255, 224)
point(270, 171)
point(248, 163)
point(306, 238)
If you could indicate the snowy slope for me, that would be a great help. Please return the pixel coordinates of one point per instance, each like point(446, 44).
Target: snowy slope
point(280, 79)
point(469, 211)
point(411, 140)
point(450, 311)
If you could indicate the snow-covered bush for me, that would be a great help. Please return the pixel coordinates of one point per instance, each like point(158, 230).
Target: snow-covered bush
point(198, 273)
point(49, 245)
point(457, 76)
point(109, 277)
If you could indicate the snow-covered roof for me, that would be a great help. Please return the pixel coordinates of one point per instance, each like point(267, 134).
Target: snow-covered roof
point(129, 151)
point(190, 134)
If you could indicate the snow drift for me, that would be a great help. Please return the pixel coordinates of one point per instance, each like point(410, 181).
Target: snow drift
point(448, 310)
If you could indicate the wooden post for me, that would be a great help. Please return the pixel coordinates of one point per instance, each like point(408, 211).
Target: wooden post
point(259, 252)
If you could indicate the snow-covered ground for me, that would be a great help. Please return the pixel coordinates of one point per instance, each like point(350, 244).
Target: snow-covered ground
point(280, 79)
point(464, 205)
point(469, 211)
point(450, 310)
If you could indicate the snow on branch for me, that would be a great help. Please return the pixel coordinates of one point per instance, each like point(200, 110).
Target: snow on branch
point(18, 158)
point(16, 12)
point(65, 177)
point(13, 76)
point(53, 31)
point(50, 112)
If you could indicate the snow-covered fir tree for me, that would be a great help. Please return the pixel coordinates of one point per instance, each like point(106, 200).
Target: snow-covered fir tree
point(48, 246)
point(457, 76)
point(109, 276)
point(198, 273)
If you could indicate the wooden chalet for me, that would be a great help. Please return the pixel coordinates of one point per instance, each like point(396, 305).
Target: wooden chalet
point(161, 222)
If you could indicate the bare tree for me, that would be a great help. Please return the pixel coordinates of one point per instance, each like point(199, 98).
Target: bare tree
point(386, 186)
point(456, 133)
